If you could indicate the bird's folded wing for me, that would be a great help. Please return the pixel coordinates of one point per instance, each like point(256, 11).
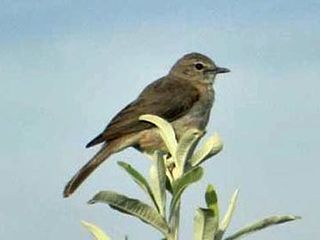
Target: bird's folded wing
point(166, 98)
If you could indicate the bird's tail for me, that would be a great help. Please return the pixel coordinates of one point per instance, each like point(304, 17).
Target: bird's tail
point(86, 170)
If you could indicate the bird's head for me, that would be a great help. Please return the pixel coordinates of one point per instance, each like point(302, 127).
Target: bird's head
point(196, 67)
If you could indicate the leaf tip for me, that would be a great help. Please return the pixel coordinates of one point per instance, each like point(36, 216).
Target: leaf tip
point(122, 164)
point(85, 223)
point(294, 217)
point(210, 188)
point(143, 116)
point(217, 141)
point(91, 201)
point(236, 192)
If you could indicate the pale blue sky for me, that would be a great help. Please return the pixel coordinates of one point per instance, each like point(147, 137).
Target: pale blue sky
point(66, 67)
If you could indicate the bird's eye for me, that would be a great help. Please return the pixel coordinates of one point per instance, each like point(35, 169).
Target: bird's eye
point(199, 66)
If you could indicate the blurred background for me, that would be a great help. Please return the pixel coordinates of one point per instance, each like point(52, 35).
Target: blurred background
point(67, 67)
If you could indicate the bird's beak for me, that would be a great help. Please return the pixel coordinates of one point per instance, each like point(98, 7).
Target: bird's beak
point(219, 70)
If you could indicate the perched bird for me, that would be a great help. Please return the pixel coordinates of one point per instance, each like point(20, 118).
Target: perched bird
point(183, 97)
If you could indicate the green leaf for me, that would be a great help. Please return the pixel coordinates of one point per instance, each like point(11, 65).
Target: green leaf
point(165, 129)
point(168, 185)
point(132, 207)
point(96, 232)
point(212, 201)
point(186, 146)
point(181, 184)
point(211, 147)
point(140, 180)
point(227, 217)
point(267, 222)
point(158, 182)
point(205, 224)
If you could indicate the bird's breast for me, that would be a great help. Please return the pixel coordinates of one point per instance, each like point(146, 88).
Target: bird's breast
point(198, 115)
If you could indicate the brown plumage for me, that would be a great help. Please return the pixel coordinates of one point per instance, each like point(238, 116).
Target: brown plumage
point(184, 97)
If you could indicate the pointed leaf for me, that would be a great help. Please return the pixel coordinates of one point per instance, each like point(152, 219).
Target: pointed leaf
point(165, 129)
point(227, 217)
point(205, 224)
point(181, 184)
point(158, 182)
point(212, 201)
point(267, 222)
point(186, 147)
point(211, 147)
point(139, 179)
point(132, 207)
point(96, 232)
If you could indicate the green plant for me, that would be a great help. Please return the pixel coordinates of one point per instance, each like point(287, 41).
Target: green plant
point(173, 173)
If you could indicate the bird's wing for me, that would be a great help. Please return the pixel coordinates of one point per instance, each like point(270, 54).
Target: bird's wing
point(166, 98)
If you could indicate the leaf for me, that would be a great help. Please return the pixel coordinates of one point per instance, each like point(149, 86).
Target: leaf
point(212, 201)
point(139, 179)
point(158, 182)
point(168, 185)
point(165, 129)
point(227, 217)
point(205, 224)
point(212, 146)
point(265, 223)
point(96, 232)
point(132, 207)
point(181, 184)
point(186, 147)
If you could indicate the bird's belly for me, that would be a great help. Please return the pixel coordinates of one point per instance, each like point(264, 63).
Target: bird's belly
point(195, 119)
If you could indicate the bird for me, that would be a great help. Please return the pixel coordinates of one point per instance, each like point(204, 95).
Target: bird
point(184, 98)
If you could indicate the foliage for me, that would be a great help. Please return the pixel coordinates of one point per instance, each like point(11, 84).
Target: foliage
point(96, 232)
point(172, 173)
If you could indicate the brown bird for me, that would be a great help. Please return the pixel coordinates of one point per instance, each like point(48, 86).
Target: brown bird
point(184, 97)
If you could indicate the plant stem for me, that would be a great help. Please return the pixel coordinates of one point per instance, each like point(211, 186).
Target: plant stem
point(174, 224)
